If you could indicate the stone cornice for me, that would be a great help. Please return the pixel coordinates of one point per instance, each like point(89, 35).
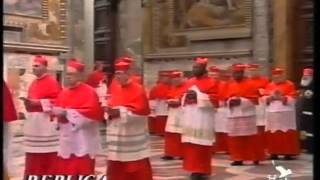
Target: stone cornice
point(35, 48)
point(242, 52)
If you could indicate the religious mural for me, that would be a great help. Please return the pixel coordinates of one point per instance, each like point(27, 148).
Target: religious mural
point(42, 21)
point(23, 7)
point(166, 38)
point(209, 14)
point(49, 29)
point(176, 24)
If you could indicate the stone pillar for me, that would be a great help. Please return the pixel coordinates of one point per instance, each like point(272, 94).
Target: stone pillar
point(282, 34)
point(89, 33)
point(261, 37)
point(76, 28)
point(130, 19)
point(147, 27)
point(80, 31)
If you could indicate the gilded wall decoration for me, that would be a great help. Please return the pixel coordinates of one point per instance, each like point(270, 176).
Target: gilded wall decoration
point(44, 21)
point(176, 24)
point(50, 28)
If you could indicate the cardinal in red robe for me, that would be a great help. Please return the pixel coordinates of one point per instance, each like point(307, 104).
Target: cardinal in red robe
point(41, 137)
point(244, 144)
point(134, 77)
point(158, 97)
point(78, 113)
point(127, 134)
point(198, 102)
point(260, 82)
point(214, 73)
point(173, 147)
point(99, 80)
point(9, 115)
point(152, 103)
point(96, 76)
point(9, 110)
point(281, 127)
point(220, 117)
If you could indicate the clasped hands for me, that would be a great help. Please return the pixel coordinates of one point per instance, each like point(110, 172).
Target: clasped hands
point(28, 103)
point(112, 112)
point(234, 102)
point(191, 97)
point(173, 102)
point(61, 114)
point(277, 96)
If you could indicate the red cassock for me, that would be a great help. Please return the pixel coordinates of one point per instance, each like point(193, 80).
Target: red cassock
point(79, 146)
point(9, 115)
point(9, 110)
point(221, 144)
point(152, 117)
point(134, 99)
point(95, 78)
point(284, 140)
point(124, 164)
point(159, 93)
point(41, 138)
point(197, 157)
point(136, 79)
point(206, 85)
point(248, 146)
point(173, 146)
point(260, 83)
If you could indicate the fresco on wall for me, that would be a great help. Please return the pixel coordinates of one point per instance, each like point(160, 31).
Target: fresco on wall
point(23, 7)
point(167, 39)
point(209, 14)
point(49, 26)
point(176, 24)
point(49, 29)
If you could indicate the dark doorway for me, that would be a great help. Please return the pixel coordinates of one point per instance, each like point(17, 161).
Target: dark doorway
point(302, 37)
point(105, 32)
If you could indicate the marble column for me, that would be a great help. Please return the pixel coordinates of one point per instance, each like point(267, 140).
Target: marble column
point(130, 19)
point(89, 33)
point(261, 34)
point(76, 28)
point(147, 27)
point(282, 35)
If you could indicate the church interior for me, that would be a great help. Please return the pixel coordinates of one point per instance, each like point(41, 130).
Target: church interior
point(159, 35)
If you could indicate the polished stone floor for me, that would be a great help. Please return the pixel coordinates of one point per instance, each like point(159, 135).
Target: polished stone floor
point(172, 170)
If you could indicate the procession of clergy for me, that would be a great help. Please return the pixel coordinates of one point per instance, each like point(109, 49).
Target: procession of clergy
point(236, 111)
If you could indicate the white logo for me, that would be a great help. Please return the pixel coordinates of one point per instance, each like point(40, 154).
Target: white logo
point(284, 173)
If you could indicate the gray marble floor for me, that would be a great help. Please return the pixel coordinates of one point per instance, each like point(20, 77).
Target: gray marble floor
point(172, 170)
